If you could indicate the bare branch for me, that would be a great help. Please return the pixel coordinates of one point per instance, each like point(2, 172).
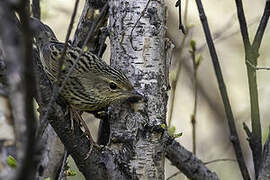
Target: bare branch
point(224, 94)
point(18, 52)
point(260, 31)
point(56, 91)
point(36, 8)
point(90, 19)
point(243, 23)
point(265, 167)
point(251, 56)
point(188, 163)
point(64, 162)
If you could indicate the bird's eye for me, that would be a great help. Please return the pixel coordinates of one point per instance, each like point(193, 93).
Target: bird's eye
point(113, 86)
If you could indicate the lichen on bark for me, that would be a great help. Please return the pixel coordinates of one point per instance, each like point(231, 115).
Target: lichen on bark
point(137, 34)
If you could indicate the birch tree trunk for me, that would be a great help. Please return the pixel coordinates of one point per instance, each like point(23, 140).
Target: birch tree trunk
point(138, 138)
point(137, 36)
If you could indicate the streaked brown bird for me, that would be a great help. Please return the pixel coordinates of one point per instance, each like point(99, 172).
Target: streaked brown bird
point(92, 84)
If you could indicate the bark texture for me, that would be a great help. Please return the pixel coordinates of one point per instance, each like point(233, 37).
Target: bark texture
point(265, 167)
point(137, 34)
point(18, 56)
point(91, 20)
point(51, 155)
point(188, 163)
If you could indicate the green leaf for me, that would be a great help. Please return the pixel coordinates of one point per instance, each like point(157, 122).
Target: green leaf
point(47, 178)
point(63, 67)
point(163, 126)
point(178, 135)
point(70, 172)
point(171, 131)
point(11, 161)
point(193, 45)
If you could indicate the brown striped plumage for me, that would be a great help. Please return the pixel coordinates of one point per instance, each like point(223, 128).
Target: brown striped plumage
point(92, 84)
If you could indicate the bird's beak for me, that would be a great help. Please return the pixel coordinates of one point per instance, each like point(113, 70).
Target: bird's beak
point(136, 97)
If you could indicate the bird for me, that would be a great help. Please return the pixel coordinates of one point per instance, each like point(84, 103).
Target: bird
point(92, 84)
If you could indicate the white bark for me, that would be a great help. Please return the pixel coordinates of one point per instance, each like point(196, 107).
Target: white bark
point(137, 33)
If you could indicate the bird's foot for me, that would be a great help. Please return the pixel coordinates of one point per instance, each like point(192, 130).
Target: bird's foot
point(87, 133)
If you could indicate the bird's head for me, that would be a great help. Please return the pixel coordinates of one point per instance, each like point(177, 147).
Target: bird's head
point(110, 85)
point(42, 33)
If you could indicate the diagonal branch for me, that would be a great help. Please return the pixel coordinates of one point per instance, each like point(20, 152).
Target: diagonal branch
point(56, 91)
point(260, 31)
point(222, 87)
point(186, 162)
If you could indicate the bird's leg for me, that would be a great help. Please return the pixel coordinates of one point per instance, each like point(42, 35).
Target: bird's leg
point(87, 132)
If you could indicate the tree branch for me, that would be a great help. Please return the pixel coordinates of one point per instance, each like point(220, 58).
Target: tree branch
point(265, 167)
point(243, 23)
point(186, 162)
point(260, 31)
point(58, 83)
point(90, 20)
point(222, 87)
point(251, 56)
point(36, 8)
point(18, 51)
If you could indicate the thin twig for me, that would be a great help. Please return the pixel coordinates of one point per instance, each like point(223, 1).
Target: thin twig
point(61, 174)
point(61, 59)
point(256, 67)
point(173, 175)
point(261, 29)
point(36, 8)
point(219, 160)
point(102, 40)
point(243, 23)
point(93, 28)
point(179, 66)
point(222, 87)
point(44, 122)
point(181, 26)
point(195, 86)
point(251, 56)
